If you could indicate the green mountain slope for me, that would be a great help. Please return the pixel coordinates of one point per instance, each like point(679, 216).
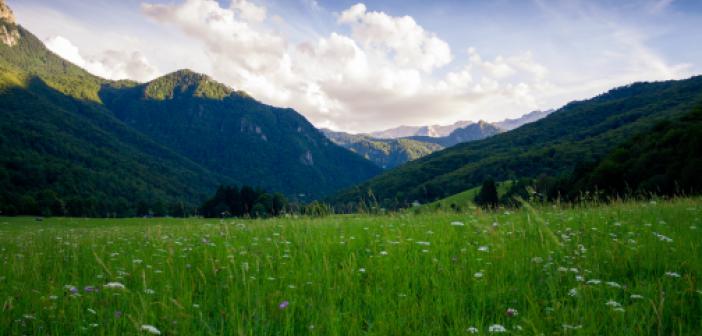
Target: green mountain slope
point(666, 160)
point(386, 153)
point(236, 136)
point(168, 143)
point(63, 152)
point(579, 132)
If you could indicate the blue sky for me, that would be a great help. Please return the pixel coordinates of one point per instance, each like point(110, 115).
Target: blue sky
point(362, 66)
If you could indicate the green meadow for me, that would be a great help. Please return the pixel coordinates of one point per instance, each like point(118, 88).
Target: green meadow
point(629, 268)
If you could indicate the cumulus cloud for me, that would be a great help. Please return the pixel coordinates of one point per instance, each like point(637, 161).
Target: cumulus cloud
point(390, 70)
point(384, 71)
point(411, 44)
point(110, 64)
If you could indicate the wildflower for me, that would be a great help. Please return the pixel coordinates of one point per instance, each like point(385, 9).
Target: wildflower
point(613, 304)
point(92, 311)
point(572, 327)
point(636, 297)
point(362, 270)
point(383, 253)
point(537, 260)
point(672, 274)
point(613, 284)
point(118, 313)
point(150, 329)
point(473, 330)
point(423, 243)
point(663, 238)
point(149, 291)
point(511, 312)
point(283, 305)
point(478, 275)
point(71, 289)
point(573, 292)
point(497, 328)
point(594, 282)
point(457, 223)
point(89, 289)
point(484, 249)
point(114, 285)
point(579, 278)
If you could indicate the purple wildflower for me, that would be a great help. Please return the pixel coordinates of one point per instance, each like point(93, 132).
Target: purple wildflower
point(283, 305)
point(118, 314)
point(89, 289)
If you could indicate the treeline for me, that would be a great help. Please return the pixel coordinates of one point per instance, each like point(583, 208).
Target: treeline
point(48, 203)
point(663, 162)
point(245, 202)
point(248, 202)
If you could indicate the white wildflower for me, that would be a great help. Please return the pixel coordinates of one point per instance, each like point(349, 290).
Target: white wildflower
point(150, 329)
point(613, 284)
point(484, 249)
point(114, 285)
point(423, 243)
point(473, 330)
point(573, 292)
point(457, 223)
point(636, 297)
point(478, 275)
point(613, 304)
point(594, 282)
point(497, 328)
point(672, 274)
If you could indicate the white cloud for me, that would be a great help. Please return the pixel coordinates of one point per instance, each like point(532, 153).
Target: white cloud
point(111, 64)
point(249, 11)
point(411, 44)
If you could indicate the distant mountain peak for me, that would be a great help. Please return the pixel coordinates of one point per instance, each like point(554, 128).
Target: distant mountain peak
point(190, 83)
point(9, 35)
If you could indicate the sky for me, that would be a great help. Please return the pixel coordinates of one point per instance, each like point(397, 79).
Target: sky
point(366, 66)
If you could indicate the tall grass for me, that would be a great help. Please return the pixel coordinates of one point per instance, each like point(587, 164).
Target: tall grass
point(622, 269)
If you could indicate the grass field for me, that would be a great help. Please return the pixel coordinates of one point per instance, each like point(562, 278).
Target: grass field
point(622, 269)
point(463, 200)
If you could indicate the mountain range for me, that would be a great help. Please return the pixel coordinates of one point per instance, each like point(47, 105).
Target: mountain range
point(391, 148)
point(89, 146)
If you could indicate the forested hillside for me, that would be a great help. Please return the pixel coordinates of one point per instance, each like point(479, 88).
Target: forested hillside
point(76, 144)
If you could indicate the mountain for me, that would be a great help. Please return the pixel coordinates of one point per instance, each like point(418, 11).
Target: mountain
point(510, 124)
point(234, 135)
point(63, 152)
point(386, 153)
point(390, 153)
point(73, 143)
point(666, 160)
point(471, 132)
point(583, 131)
point(438, 131)
point(409, 131)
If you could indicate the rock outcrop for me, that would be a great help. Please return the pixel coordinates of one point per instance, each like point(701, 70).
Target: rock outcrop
point(9, 35)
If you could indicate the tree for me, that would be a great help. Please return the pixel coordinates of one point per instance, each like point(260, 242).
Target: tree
point(487, 197)
point(279, 204)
